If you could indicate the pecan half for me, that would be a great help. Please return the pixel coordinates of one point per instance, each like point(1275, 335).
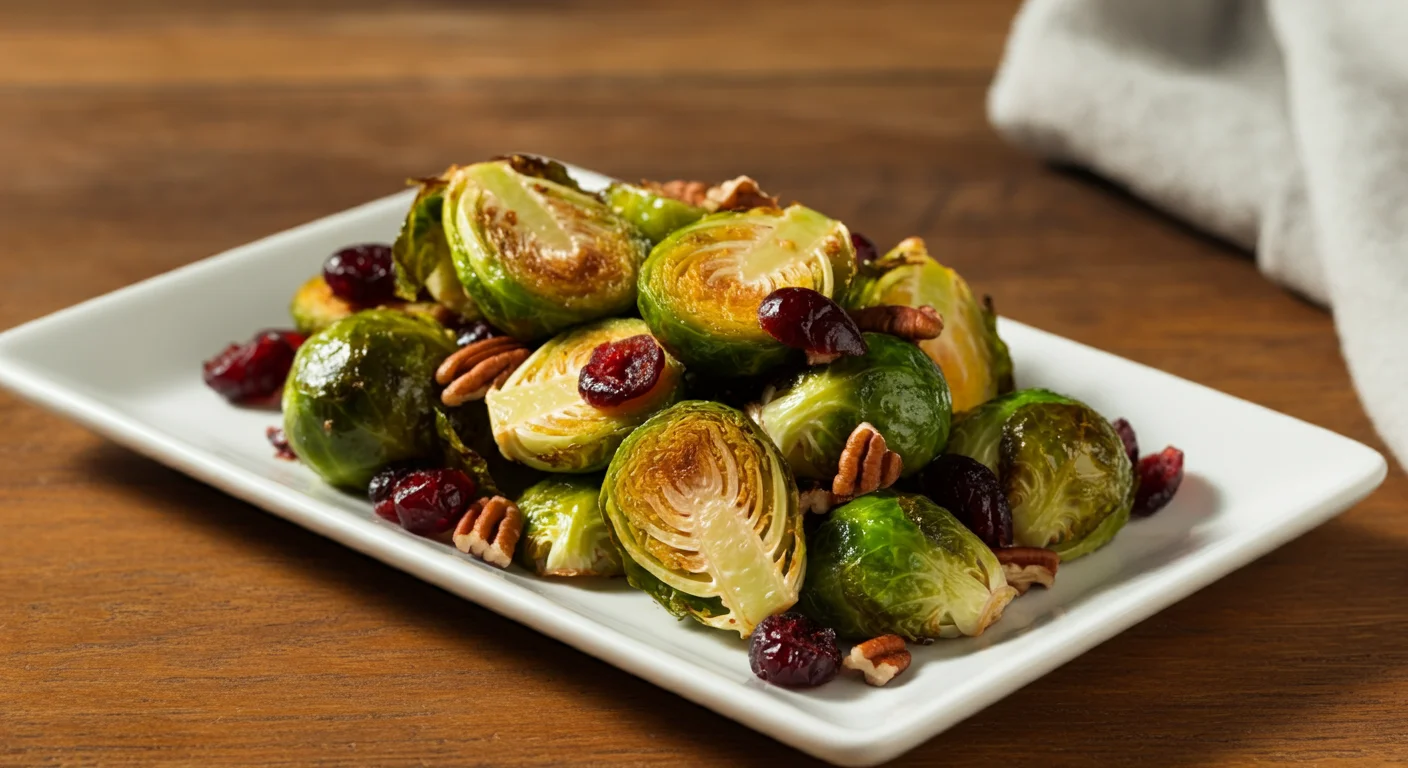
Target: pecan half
point(738, 194)
point(476, 368)
point(910, 323)
point(867, 464)
point(880, 659)
point(1025, 566)
point(489, 530)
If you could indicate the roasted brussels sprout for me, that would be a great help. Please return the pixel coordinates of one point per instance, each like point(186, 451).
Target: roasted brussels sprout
point(539, 417)
point(361, 395)
point(706, 514)
point(535, 254)
point(1063, 467)
point(701, 286)
point(894, 386)
point(422, 255)
point(564, 533)
point(974, 360)
point(899, 563)
point(315, 307)
point(656, 216)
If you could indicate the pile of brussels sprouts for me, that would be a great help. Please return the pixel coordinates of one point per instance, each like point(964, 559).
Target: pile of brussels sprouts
point(691, 491)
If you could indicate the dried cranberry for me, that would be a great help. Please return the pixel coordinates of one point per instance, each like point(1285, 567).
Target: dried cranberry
point(1131, 443)
point(361, 274)
point(804, 319)
point(968, 489)
point(866, 251)
point(429, 502)
point(279, 440)
point(255, 371)
point(380, 489)
point(1159, 476)
point(792, 650)
point(476, 331)
point(621, 371)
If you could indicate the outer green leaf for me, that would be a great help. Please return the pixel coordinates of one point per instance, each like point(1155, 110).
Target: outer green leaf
point(656, 216)
point(564, 533)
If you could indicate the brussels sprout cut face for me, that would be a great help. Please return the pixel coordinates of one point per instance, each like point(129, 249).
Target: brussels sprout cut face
point(974, 360)
point(361, 395)
point(1063, 467)
point(656, 216)
point(701, 287)
point(539, 417)
point(706, 514)
point(422, 255)
point(564, 533)
point(536, 255)
point(899, 563)
point(894, 386)
point(315, 307)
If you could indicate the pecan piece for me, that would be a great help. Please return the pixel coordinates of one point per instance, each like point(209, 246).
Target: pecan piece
point(909, 323)
point(866, 465)
point(489, 530)
point(693, 192)
point(476, 368)
point(738, 194)
point(880, 659)
point(818, 500)
point(1025, 566)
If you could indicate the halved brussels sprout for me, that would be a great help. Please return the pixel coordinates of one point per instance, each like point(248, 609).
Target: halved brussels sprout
point(1062, 465)
point(974, 360)
point(362, 395)
point(656, 216)
point(899, 563)
point(537, 255)
point(564, 533)
point(894, 386)
point(701, 287)
point(706, 514)
point(315, 307)
point(422, 255)
point(539, 418)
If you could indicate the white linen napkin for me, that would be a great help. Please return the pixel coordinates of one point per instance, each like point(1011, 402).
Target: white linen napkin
point(1280, 125)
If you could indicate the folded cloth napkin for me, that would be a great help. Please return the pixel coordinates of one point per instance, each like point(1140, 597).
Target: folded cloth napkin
point(1280, 125)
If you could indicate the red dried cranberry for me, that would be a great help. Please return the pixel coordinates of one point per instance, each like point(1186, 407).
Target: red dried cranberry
point(279, 440)
point(1131, 443)
point(968, 489)
point(253, 372)
point(380, 489)
point(476, 331)
point(1159, 476)
point(866, 251)
point(429, 502)
point(361, 274)
point(804, 319)
point(792, 650)
point(621, 371)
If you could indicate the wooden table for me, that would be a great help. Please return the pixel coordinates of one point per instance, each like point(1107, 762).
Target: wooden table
point(147, 619)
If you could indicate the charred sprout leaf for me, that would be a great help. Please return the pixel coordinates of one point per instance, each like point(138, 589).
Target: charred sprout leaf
point(701, 287)
point(656, 216)
point(315, 307)
point(422, 255)
point(894, 386)
point(471, 424)
point(541, 168)
point(564, 533)
point(705, 511)
point(536, 255)
point(462, 457)
point(362, 395)
point(539, 417)
point(899, 563)
point(974, 359)
point(1062, 466)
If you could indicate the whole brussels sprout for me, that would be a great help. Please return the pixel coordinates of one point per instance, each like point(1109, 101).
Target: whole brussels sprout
point(1063, 467)
point(656, 216)
point(539, 418)
point(974, 360)
point(422, 255)
point(564, 533)
point(315, 306)
point(362, 395)
point(899, 563)
point(535, 254)
point(700, 287)
point(706, 514)
point(894, 386)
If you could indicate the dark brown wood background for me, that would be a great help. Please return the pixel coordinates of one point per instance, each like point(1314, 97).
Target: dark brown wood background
point(146, 619)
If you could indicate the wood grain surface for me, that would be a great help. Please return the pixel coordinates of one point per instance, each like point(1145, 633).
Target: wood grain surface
point(146, 619)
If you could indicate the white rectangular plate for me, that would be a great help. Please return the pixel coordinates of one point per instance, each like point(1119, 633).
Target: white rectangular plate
point(1235, 503)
